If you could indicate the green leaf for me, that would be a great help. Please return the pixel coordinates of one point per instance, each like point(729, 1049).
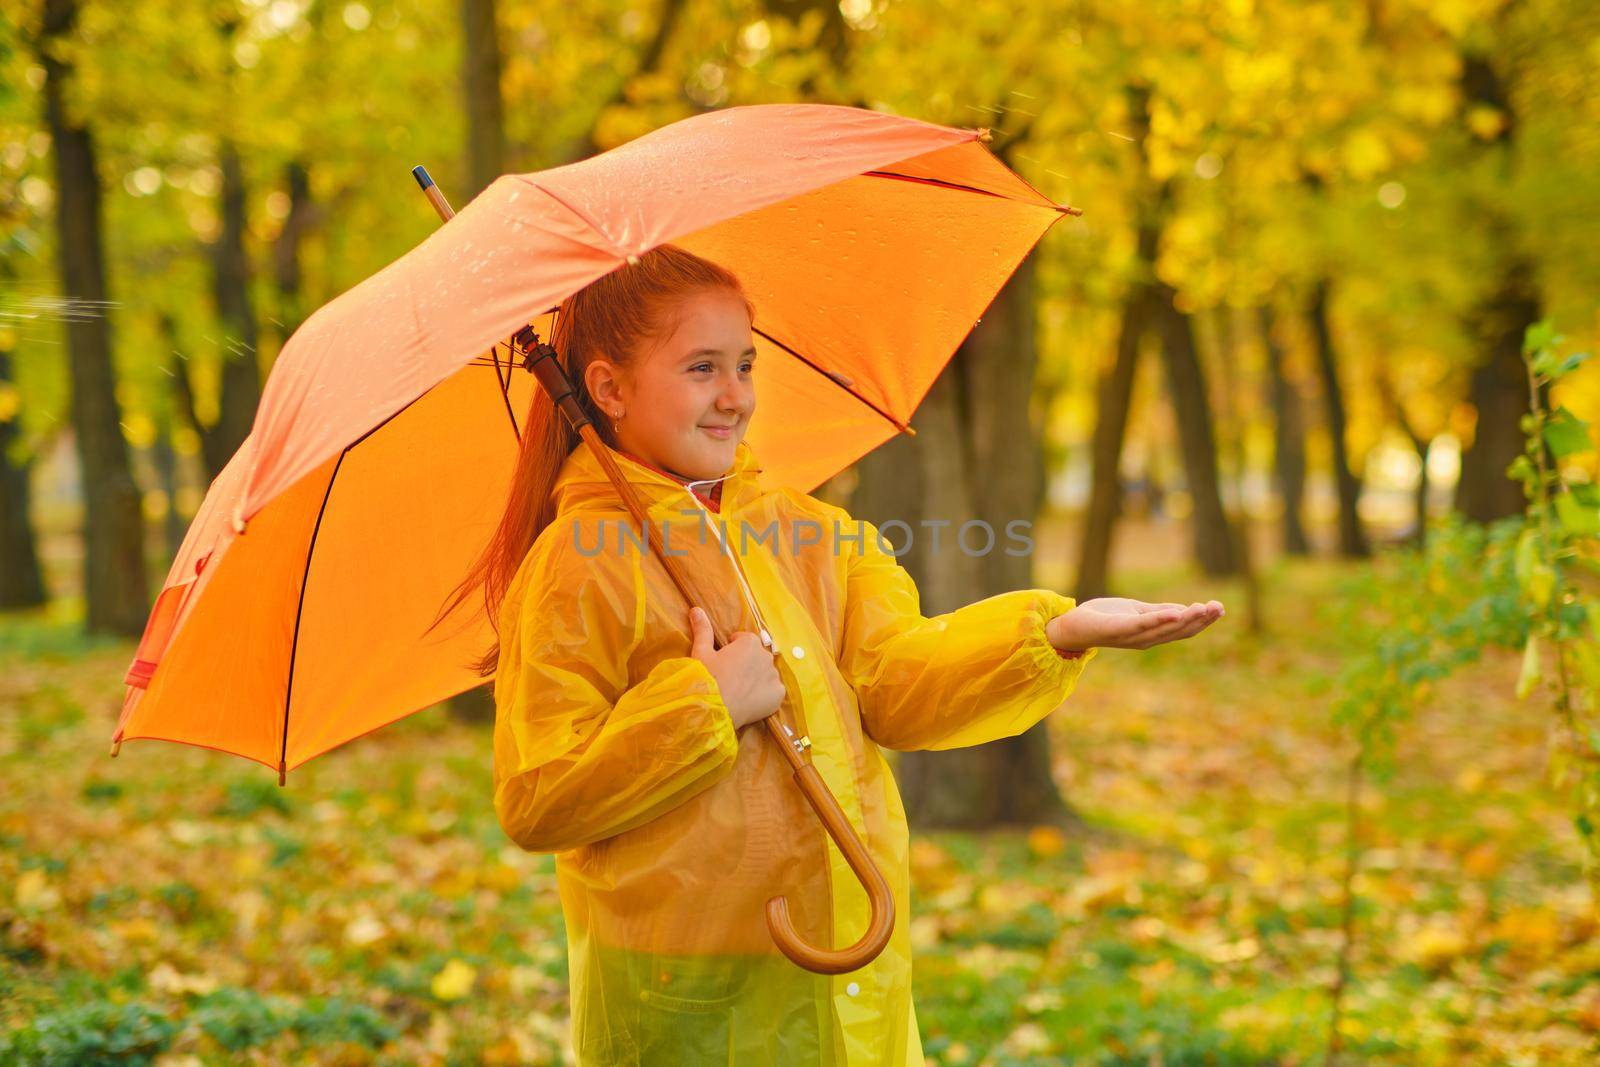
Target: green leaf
point(1530, 668)
point(1577, 519)
point(1550, 364)
point(1571, 363)
point(1566, 434)
point(1535, 577)
point(1541, 334)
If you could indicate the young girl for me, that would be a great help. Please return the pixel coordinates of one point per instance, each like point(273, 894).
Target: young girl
point(620, 741)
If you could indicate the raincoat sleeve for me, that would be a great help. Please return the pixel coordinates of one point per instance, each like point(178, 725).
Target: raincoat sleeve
point(976, 674)
point(579, 753)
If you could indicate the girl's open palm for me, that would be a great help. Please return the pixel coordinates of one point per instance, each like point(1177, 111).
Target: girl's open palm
point(1118, 622)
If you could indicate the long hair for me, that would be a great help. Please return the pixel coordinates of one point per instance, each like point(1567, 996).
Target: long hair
point(615, 317)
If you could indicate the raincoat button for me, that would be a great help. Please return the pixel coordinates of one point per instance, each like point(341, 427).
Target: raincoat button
point(853, 988)
point(797, 652)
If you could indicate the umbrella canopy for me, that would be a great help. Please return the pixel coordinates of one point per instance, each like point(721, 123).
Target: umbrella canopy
point(381, 456)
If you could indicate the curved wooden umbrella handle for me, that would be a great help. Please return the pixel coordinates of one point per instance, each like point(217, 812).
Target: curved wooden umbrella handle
point(541, 360)
point(881, 923)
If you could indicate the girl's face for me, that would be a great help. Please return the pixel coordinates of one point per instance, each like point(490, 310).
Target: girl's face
point(685, 404)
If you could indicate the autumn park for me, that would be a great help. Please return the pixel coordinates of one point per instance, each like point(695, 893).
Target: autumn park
point(1259, 331)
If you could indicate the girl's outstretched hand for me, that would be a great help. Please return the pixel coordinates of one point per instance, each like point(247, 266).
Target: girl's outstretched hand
point(1117, 622)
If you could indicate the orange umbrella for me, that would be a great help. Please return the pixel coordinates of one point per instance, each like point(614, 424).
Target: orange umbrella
point(293, 617)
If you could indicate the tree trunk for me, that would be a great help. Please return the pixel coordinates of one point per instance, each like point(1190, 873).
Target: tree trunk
point(1233, 427)
point(1352, 540)
point(230, 286)
point(1110, 430)
point(913, 481)
point(1116, 387)
point(480, 78)
point(1500, 397)
point(165, 460)
point(116, 596)
point(287, 276)
point(976, 457)
point(486, 161)
point(649, 62)
point(1213, 541)
point(21, 583)
point(1499, 389)
point(179, 409)
point(1419, 444)
point(1289, 438)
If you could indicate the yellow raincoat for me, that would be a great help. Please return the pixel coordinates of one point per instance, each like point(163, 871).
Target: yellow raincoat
point(614, 750)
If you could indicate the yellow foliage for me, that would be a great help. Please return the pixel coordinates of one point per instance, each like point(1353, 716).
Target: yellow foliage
point(1434, 947)
point(454, 981)
point(1531, 933)
point(165, 978)
point(1486, 122)
point(1365, 153)
point(1046, 842)
point(140, 931)
point(33, 890)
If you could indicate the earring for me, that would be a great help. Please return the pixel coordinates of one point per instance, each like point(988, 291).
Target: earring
point(616, 421)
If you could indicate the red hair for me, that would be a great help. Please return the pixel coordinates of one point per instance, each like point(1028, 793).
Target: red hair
point(614, 317)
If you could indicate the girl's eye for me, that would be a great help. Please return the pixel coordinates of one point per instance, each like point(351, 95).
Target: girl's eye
point(746, 366)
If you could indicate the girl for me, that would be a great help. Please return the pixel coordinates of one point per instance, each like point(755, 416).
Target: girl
point(620, 741)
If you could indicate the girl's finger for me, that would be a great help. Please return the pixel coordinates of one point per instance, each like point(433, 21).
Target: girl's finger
point(1192, 626)
point(1156, 635)
point(1139, 625)
point(1190, 621)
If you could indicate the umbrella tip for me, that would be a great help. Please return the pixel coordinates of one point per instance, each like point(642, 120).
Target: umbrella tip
point(420, 173)
point(633, 260)
point(984, 134)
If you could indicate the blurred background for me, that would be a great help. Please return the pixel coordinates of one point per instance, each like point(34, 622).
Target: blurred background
point(1312, 349)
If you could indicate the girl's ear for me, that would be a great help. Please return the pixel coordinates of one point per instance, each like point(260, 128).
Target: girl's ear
point(603, 381)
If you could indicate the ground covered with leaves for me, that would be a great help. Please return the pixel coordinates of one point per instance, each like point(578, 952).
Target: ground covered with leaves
point(175, 906)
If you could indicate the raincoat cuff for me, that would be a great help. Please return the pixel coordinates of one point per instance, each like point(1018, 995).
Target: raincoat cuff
point(1062, 667)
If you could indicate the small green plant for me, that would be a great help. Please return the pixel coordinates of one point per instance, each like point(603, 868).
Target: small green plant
point(98, 1035)
point(1528, 581)
point(1557, 572)
point(1427, 611)
point(249, 797)
point(241, 1019)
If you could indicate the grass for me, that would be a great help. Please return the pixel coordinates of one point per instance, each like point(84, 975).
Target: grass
point(176, 903)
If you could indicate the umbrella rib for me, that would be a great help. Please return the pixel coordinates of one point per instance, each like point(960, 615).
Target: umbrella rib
point(299, 610)
point(956, 185)
point(505, 387)
point(305, 579)
point(838, 380)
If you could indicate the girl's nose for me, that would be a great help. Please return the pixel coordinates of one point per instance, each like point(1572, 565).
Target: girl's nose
point(736, 397)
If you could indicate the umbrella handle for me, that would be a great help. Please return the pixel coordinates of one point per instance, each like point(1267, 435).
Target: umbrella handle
point(553, 380)
point(881, 922)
